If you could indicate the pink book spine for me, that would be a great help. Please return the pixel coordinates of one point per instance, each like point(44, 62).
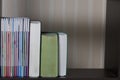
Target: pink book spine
point(9, 55)
point(8, 50)
point(7, 58)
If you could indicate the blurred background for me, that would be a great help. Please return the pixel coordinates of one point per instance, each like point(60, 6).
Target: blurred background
point(83, 20)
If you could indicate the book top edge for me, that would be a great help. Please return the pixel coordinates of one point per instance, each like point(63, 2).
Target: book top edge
point(37, 22)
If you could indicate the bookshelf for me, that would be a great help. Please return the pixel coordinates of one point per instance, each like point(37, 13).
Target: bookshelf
point(112, 43)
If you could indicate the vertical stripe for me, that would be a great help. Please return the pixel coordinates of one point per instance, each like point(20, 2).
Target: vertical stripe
point(63, 15)
point(103, 34)
point(51, 15)
point(90, 24)
point(28, 7)
point(15, 8)
point(76, 57)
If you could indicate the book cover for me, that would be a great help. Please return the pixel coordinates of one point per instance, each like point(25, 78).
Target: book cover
point(49, 55)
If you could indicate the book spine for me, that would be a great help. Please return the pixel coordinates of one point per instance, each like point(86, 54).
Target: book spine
point(7, 53)
point(15, 48)
point(20, 48)
point(12, 46)
point(23, 47)
point(34, 59)
point(22, 66)
point(62, 54)
point(2, 46)
point(49, 48)
point(27, 48)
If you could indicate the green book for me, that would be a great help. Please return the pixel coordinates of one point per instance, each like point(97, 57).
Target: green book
point(49, 55)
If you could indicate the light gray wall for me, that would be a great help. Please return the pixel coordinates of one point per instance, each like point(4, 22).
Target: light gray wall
point(0, 8)
point(13, 8)
point(82, 20)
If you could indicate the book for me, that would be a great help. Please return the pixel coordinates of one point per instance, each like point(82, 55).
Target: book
point(12, 46)
point(27, 46)
point(23, 46)
point(16, 68)
point(20, 70)
point(49, 55)
point(62, 53)
point(8, 48)
point(24, 29)
point(2, 46)
point(34, 56)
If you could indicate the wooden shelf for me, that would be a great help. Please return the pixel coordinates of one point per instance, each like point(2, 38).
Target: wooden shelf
point(90, 73)
point(112, 50)
point(82, 74)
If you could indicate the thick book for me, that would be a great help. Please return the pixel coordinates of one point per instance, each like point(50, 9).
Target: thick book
point(62, 53)
point(34, 59)
point(49, 55)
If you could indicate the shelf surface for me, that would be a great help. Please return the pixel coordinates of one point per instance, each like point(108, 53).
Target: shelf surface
point(83, 74)
point(89, 73)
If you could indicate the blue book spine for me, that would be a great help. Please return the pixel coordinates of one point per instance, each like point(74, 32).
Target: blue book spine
point(20, 48)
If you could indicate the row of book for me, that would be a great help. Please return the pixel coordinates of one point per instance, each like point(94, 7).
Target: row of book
point(14, 47)
point(28, 52)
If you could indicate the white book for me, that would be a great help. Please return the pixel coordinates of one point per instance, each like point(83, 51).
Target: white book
point(62, 53)
point(34, 59)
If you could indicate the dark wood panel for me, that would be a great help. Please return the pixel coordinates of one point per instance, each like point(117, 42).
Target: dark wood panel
point(112, 42)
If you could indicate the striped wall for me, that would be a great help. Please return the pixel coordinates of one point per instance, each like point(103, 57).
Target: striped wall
point(0, 8)
point(13, 8)
point(82, 20)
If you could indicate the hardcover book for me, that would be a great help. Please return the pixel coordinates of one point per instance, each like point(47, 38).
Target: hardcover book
point(49, 55)
point(34, 60)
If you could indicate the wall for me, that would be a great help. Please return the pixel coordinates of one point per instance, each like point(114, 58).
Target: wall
point(13, 8)
point(0, 8)
point(82, 20)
